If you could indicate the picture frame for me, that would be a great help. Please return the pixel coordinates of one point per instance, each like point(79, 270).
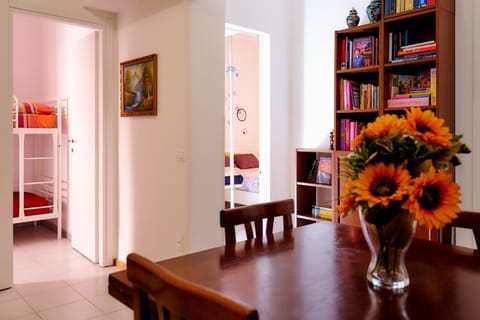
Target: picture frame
point(138, 86)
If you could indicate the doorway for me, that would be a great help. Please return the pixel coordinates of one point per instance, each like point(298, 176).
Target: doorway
point(53, 58)
point(247, 114)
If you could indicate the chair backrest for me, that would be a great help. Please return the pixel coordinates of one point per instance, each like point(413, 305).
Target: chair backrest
point(256, 213)
point(466, 219)
point(177, 298)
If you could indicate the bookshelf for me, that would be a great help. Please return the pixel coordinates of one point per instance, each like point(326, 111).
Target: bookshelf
point(314, 185)
point(405, 66)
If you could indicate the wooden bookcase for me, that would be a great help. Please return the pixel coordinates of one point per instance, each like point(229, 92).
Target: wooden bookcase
point(433, 22)
point(312, 193)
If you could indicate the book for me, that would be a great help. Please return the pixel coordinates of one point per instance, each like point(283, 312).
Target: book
point(405, 82)
point(312, 174)
point(411, 50)
point(324, 175)
point(418, 44)
point(408, 102)
point(343, 52)
point(433, 86)
point(408, 5)
point(325, 213)
point(362, 50)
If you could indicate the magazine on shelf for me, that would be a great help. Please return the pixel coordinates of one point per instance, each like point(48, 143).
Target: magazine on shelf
point(324, 175)
point(363, 51)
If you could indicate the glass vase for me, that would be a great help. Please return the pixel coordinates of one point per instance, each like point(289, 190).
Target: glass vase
point(388, 243)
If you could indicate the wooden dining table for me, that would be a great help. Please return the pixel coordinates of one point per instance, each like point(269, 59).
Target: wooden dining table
point(318, 271)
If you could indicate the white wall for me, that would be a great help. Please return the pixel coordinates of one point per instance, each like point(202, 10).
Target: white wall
point(152, 182)
point(273, 17)
point(244, 49)
point(312, 107)
point(467, 95)
point(171, 165)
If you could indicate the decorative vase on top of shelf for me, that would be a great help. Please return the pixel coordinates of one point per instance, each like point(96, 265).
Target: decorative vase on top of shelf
point(397, 177)
point(374, 10)
point(353, 19)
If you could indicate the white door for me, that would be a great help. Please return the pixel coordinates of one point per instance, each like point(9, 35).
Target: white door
point(82, 146)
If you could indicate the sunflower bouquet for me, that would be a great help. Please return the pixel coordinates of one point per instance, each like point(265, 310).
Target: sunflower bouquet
point(401, 165)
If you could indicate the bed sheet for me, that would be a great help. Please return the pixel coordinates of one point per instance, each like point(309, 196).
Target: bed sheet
point(30, 200)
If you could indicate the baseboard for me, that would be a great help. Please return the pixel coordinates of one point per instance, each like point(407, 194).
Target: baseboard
point(120, 264)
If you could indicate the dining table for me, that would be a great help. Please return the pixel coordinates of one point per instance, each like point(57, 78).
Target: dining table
point(318, 271)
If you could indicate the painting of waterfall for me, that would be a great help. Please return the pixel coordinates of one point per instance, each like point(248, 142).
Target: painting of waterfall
point(139, 86)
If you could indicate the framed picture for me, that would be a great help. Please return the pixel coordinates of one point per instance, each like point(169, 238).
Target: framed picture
point(138, 83)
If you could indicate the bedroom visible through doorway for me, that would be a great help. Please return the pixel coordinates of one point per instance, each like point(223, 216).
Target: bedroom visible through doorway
point(247, 114)
point(56, 59)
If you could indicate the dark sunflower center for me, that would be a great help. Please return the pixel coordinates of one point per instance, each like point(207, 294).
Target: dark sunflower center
point(422, 128)
point(383, 187)
point(431, 197)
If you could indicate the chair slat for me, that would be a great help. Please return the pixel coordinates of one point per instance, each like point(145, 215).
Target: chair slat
point(466, 219)
point(257, 213)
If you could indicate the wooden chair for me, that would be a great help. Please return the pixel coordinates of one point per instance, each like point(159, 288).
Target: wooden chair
point(466, 219)
point(178, 298)
point(256, 213)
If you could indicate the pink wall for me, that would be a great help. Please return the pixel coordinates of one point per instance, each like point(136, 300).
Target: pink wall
point(245, 53)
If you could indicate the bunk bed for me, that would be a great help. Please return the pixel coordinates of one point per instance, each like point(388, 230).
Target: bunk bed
point(37, 129)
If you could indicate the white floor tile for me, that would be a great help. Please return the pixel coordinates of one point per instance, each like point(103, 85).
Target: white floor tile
point(124, 314)
point(106, 303)
point(30, 317)
point(91, 288)
point(80, 310)
point(9, 294)
point(53, 298)
point(14, 309)
point(26, 289)
point(52, 281)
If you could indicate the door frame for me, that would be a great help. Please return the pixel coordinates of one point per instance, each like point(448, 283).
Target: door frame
point(263, 107)
point(106, 201)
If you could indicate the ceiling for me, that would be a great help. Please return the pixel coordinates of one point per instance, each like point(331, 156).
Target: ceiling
point(116, 6)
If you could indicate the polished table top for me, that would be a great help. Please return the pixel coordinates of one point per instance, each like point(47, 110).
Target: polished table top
point(319, 272)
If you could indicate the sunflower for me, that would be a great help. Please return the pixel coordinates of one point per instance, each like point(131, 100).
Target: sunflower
point(386, 125)
point(381, 184)
point(434, 199)
point(347, 199)
point(426, 126)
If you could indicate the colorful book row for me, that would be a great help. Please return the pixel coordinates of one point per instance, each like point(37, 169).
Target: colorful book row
point(397, 6)
point(401, 49)
point(349, 129)
point(357, 96)
point(418, 89)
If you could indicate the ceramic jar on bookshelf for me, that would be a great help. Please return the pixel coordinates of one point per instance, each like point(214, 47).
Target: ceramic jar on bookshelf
point(353, 19)
point(374, 10)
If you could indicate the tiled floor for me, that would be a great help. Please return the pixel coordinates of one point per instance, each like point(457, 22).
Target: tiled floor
point(54, 282)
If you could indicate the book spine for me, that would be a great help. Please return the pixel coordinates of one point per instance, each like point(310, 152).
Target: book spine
point(403, 52)
point(347, 134)
point(386, 11)
point(409, 102)
point(418, 44)
point(433, 86)
point(408, 5)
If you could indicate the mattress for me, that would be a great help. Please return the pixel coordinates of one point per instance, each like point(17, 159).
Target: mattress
point(31, 200)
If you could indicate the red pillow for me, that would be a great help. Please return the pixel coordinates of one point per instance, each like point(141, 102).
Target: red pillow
point(227, 161)
point(246, 161)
